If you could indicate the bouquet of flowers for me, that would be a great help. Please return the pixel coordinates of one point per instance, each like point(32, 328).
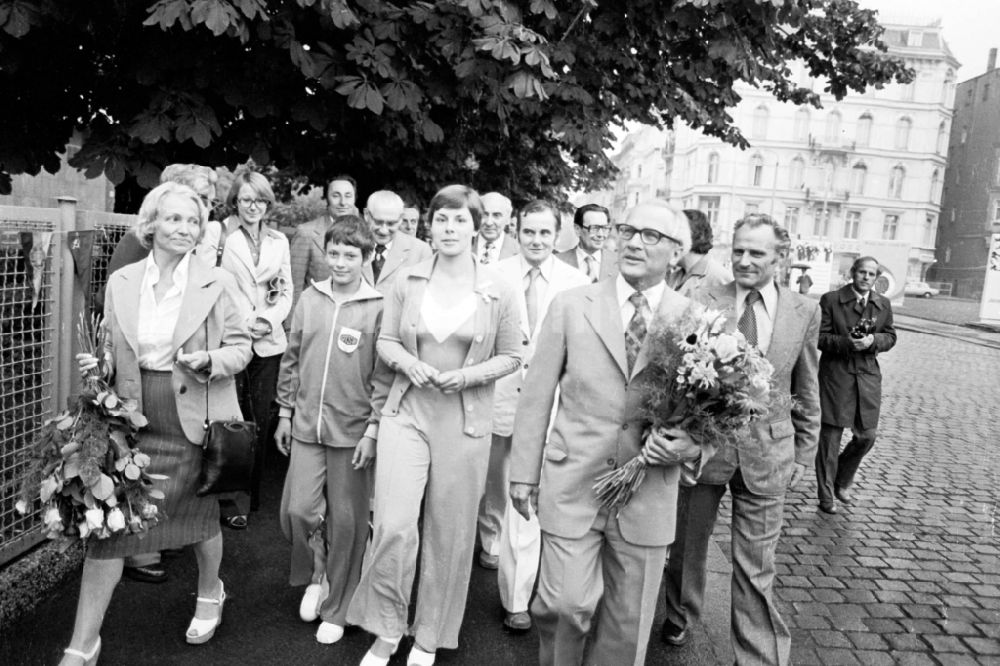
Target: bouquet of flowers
point(701, 379)
point(84, 465)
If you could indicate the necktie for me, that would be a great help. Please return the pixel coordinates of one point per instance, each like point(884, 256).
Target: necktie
point(859, 306)
point(635, 333)
point(485, 257)
point(747, 324)
point(531, 297)
point(591, 273)
point(378, 261)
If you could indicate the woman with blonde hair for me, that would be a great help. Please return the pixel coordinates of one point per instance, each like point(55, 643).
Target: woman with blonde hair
point(176, 338)
point(450, 330)
point(258, 257)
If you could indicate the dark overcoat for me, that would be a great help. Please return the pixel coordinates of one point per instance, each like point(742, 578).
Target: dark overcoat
point(850, 381)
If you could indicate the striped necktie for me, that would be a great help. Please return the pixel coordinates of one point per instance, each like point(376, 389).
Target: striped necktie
point(747, 324)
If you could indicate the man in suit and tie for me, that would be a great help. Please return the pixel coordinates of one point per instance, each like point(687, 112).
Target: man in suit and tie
point(393, 250)
point(509, 541)
point(592, 224)
point(492, 244)
point(308, 256)
point(591, 348)
point(856, 327)
point(784, 326)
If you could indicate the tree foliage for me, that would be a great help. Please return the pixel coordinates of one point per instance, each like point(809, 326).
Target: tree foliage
point(516, 95)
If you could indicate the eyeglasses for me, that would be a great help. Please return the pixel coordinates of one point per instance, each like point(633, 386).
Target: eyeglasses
point(208, 201)
point(648, 236)
point(276, 286)
point(248, 202)
point(596, 229)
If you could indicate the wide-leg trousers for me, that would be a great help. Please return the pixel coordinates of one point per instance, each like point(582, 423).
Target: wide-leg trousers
point(598, 573)
point(427, 459)
point(759, 634)
point(322, 487)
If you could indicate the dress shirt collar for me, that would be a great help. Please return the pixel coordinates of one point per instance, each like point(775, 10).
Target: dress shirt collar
point(861, 297)
point(151, 276)
point(653, 295)
point(385, 248)
point(544, 269)
point(581, 256)
point(768, 294)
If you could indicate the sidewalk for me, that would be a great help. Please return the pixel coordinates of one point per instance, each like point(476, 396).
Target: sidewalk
point(976, 336)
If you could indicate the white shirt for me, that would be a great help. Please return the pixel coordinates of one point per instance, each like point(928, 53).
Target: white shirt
point(157, 321)
point(861, 297)
point(653, 296)
point(764, 310)
point(581, 262)
point(544, 278)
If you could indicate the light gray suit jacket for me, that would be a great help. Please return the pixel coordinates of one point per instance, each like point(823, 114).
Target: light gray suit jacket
point(786, 435)
point(404, 252)
point(208, 297)
point(609, 261)
point(598, 423)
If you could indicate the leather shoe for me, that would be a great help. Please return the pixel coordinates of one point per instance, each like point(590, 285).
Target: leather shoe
point(238, 522)
point(488, 561)
point(153, 573)
point(517, 622)
point(828, 507)
point(844, 495)
point(673, 635)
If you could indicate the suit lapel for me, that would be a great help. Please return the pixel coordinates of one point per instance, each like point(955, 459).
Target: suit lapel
point(196, 304)
point(609, 263)
point(238, 245)
point(395, 257)
point(604, 316)
point(127, 292)
point(669, 303)
point(782, 344)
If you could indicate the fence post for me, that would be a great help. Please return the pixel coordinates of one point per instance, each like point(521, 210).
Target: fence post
point(66, 307)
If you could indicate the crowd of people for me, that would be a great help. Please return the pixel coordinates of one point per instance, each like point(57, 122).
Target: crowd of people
point(471, 383)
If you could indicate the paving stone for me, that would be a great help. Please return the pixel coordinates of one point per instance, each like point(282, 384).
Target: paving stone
point(873, 658)
point(812, 622)
point(826, 638)
point(945, 643)
point(867, 641)
point(985, 646)
point(838, 657)
point(907, 658)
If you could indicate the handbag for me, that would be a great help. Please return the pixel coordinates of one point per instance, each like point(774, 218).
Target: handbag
point(227, 456)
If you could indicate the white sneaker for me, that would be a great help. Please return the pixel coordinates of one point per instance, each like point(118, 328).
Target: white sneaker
point(329, 633)
point(312, 599)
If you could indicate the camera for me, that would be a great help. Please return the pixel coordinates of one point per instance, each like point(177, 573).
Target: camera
point(864, 327)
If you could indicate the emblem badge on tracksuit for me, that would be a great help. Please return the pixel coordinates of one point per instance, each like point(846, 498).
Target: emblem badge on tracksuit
point(348, 340)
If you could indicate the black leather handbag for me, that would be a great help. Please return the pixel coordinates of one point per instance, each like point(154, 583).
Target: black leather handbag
point(227, 456)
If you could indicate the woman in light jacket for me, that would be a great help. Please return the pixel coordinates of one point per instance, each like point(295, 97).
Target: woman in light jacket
point(258, 257)
point(450, 330)
point(175, 333)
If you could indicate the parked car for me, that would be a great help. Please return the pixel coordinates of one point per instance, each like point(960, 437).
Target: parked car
point(921, 289)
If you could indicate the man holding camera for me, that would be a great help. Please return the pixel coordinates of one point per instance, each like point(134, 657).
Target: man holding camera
point(856, 326)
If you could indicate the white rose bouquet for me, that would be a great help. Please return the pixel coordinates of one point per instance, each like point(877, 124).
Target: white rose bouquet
point(84, 466)
point(702, 379)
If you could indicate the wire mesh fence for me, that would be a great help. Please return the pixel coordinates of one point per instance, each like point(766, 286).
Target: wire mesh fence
point(107, 235)
point(27, 324)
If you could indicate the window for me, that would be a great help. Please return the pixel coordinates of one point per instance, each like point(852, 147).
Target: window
point(935, 177)
point(903, 127)
point(713, 168)
point(858, 175)
point(800, 131)
point(986, 91)
point(635, 199)
point(942, 138)
point(896, 177)
point(965, 134)
point(796, 174)
point(996, 174)
point(638, 171)
point(948, 88)
point(831, 134)
point(760, 116)
point(821, 223)
point(915, 38)
point(864, 134)
point(929, 231)
point(792, 220)
point(889, 226)
point(710, 207)
point(947, 255)
point(852, 223)
point(996, 210)
point(757, 171)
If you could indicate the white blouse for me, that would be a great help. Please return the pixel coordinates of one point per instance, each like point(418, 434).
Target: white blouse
point(441, 320)
point(157, 321)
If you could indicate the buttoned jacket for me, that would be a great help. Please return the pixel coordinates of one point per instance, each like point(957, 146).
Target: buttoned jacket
point(599, 423)
point(404, 251)
point(789, 433)
point(495, 351)
point(209, 298)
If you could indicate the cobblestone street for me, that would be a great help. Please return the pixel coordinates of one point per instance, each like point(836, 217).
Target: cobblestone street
point(911, 572)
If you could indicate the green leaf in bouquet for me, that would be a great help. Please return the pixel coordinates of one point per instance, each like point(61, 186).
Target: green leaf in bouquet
point(88, 499)
point(119, 438)
point(120, 464)
point(157, 477)
point(66, 422)
point(132, 472)
point(50, 486)
point(110, 401)
point(104, 488)
point(72, 447)
point(111, 501)
point(156, 494)
point(90, 473)
point(71, 468)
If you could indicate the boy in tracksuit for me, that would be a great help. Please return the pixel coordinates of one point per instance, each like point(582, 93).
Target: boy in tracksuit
point(331, 388)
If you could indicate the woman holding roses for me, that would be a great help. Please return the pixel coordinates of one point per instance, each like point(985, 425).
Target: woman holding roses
point(175, 340)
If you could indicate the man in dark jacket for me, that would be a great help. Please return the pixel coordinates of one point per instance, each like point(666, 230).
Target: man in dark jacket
point(856, 326)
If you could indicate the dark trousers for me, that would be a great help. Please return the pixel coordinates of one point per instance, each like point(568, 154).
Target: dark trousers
point(256, 387)
point(837, 471)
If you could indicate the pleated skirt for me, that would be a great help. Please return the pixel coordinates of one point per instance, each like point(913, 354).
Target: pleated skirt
point(184, 517)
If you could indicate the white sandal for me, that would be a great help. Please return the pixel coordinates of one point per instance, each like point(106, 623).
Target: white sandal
point(418, 657)
point(89, 658)
point(329, 633)
point(371, 660)
point(312, 599)
point(201, 631)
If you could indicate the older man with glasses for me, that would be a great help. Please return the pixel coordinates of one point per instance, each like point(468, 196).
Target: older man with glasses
point(592, 224)
point(393, 250)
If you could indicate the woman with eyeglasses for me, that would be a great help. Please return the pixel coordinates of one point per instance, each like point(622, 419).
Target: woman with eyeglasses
point(258, 257)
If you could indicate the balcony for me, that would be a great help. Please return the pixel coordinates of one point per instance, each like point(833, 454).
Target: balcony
point(835, 195)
